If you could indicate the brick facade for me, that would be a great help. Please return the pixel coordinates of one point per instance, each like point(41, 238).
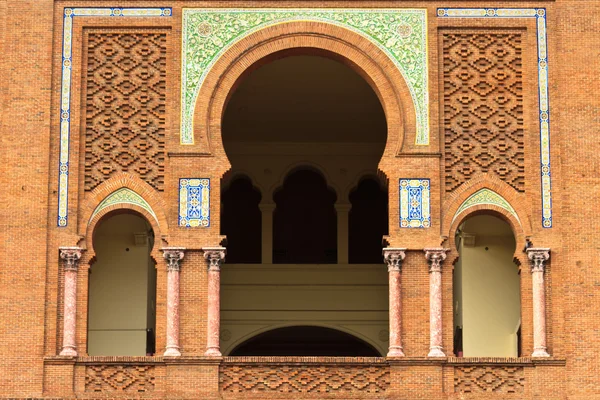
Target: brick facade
point(149, 159)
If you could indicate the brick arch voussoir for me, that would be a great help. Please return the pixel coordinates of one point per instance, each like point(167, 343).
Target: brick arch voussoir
point(116, 182)
point(481, 181)
point(323, 38)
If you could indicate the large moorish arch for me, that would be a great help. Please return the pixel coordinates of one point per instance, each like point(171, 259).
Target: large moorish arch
point(304, 38)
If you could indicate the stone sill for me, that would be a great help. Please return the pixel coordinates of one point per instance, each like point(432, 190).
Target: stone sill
point(404, 361)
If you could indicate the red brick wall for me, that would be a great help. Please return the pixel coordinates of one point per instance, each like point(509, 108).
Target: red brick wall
point(31, 39)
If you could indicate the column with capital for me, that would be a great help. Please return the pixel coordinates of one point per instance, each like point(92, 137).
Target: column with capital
point(173, 255)
point(538, 256)
point(342, 211)
point(435, 257)
point(266, 210)
point(70, 257)
point(214, 256)
point(393, 258)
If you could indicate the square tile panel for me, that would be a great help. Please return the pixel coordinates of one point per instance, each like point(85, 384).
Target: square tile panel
point(414, 203)
point(194, 202)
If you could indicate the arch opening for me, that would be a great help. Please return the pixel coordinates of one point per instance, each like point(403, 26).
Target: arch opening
point(305, 341)
point(122, 287)
point(486, 286)
point(306, 129)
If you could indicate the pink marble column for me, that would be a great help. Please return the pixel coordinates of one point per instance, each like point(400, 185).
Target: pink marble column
point(393, 258)
point(70, 257)
point(214, 256)
point(435, 257)
point(173, 255)
point(538, 257)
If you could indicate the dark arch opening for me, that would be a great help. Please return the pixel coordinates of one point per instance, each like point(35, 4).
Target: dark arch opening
point(304, 221)
point(367, 222)
point(241, 221)
point(305, 341)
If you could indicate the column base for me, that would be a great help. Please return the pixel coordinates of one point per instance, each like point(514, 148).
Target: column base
point(540, 353)
point(436, 352)
point(213, 352)
point(172, 352)
point(69, 351)
point(395, 352)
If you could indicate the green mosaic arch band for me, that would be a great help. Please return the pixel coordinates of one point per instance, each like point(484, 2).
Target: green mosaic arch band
point(485, 197)
point(123, 196)
point(400, 33)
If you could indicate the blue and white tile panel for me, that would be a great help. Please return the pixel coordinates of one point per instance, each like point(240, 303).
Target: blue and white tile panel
point(544, 99)
point(194, 202)
point(415, 209)
point(65, 90)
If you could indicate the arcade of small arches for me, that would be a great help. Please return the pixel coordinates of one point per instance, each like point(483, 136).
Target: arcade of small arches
point(305, 211)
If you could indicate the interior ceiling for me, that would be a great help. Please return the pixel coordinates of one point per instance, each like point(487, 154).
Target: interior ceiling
point(304, 99)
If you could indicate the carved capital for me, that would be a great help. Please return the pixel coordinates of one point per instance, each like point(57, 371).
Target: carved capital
point(394, 257)
point(215, 256)
point(538, 256)
point(435, 256)
point(70, 257)
point(173, 255)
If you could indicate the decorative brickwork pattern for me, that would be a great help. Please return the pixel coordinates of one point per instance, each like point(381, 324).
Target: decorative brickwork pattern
point(119, 378)
point(125, 107)
point(483, 107)
point(304, 379)
point(482, 379)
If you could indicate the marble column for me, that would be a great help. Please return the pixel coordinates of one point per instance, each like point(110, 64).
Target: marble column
point(70, 257)
point(342, 210)
point(173, 255)
point(393, 258)
point(266, 210)
point(538, 257)
point(435, 257)
point(214, 256)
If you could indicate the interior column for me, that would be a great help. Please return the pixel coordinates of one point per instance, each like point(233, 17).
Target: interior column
point(342, 211)
point(267, 210)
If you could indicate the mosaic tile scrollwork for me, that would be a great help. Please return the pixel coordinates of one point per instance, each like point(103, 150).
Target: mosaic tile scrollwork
point(194, 202)
point(415, 209)
point(486, 197)
point(400, 33)
point(544, 99)
point(65, 90)
point(123, 196)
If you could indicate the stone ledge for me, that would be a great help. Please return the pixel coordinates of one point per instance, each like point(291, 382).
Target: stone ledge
point(305, 360)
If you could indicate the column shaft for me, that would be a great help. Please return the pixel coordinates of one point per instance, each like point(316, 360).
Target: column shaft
point(266, 210)
point(173, 256)
point(342, 211)
point(435, 256)
point(393, 258)
point(70, 256)
point(215, 257)
point(538, 257)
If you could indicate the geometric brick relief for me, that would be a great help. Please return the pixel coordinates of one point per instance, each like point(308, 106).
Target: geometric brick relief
point(120, 378)
point(489, 379)
point(483, 107)
point(125, 107)
point(341, 380)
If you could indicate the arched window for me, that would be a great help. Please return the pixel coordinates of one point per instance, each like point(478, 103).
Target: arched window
point(486, 289)
point(241, 221)
point(122, 288)
point(305, 222)
point(367, 222)
point(305, 341)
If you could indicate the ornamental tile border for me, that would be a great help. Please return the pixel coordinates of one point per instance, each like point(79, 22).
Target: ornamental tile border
point(65, 90)
point(400, 33)
point(194, 202)
point(414, 203)
point(485, 197)
point(544, 111)
point(123, 196)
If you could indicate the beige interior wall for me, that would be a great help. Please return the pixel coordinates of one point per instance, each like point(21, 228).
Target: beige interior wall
point(119, 286)
point(488, 280)
point(258, 297)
